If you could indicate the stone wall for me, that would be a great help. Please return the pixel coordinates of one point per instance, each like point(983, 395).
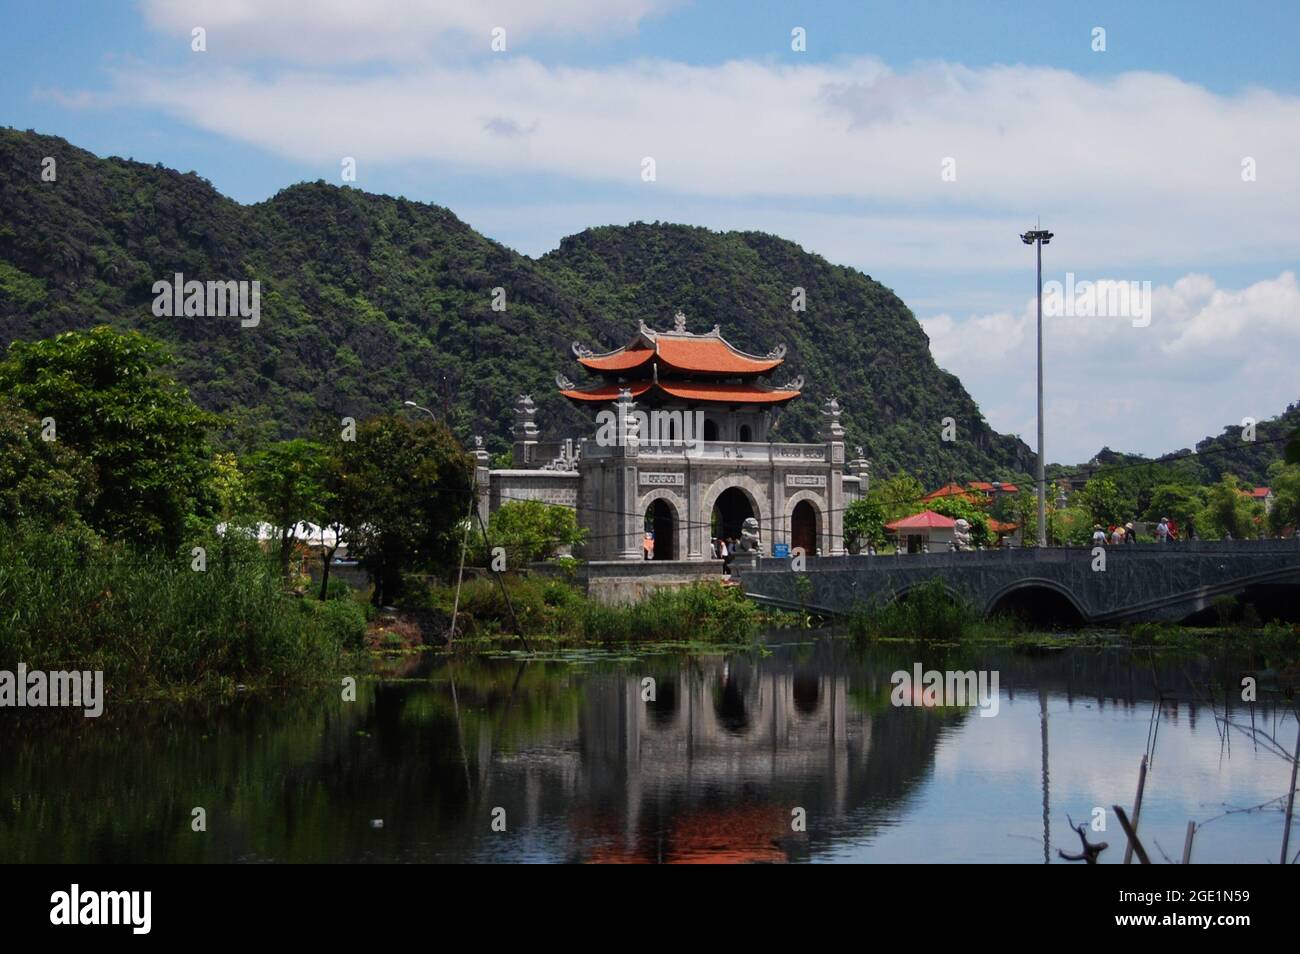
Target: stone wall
point(623, 582)
point(549, 486)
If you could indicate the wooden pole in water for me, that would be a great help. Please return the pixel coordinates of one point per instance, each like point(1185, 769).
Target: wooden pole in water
point(501, 583)
point(1187, 844)
point(464, 545)
point(1290, 796)
point(1131, 832)
point(1137, 813)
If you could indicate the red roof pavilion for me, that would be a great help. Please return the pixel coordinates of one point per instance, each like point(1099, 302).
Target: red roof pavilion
point(925, 520)
point(679, 366)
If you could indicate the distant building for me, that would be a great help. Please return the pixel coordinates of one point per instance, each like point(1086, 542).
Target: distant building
point(926, 530)
point(1264, 495)
point(682, 448)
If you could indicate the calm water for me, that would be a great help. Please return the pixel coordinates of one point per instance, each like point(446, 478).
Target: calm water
point(711, 770)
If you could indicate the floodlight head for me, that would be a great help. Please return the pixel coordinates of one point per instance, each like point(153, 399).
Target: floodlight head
point(1036, 235)
point(410, 404)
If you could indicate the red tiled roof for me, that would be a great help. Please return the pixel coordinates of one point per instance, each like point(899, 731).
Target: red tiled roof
point(618, 360)
point(607, 392)
point(949, 490)
point(721, 393)
point(1261, 491)
point(677, 351)
point(986, 487)
point(730, 393)
point(925, 520)
point(997, 526)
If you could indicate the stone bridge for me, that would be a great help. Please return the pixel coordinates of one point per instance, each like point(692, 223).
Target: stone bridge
point(1139, 582)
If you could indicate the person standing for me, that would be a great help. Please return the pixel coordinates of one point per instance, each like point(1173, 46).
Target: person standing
point(1130, 535)
point(725, 552)
point(1098, 536)
point(1162, 530)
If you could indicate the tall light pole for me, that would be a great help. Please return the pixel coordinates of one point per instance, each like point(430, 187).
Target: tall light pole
point(1040, 237)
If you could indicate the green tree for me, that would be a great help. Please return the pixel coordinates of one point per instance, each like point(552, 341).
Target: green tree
point(531, 530)
point(1104, 503)
point(144, 437)
point(43, 481)
point(1181, 503)
point(864, 523)
point(230, 487)
point(1284, 479)
point(405, 485)
point(899, 496)
point(287, 481)
point(1229, 511)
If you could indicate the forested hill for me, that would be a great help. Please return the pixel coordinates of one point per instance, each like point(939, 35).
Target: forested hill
point(1231, 452)
point(370, 300)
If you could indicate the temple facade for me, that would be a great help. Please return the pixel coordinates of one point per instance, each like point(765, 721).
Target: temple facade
point(681, 454)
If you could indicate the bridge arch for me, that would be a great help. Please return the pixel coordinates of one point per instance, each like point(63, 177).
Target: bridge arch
point(1038, 599)
point(901, 593)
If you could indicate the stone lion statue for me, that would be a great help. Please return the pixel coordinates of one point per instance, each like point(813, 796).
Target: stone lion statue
point(749, 536)
point(961, 530)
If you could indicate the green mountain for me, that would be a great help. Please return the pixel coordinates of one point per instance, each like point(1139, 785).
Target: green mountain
point(1227, 453)
point(370, 300)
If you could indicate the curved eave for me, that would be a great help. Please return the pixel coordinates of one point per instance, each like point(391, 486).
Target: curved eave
point(605, 392)
point(696, 392)
point(617, 360)
point(686, 355)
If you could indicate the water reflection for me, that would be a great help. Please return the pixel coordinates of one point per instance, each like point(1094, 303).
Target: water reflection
point(720, 765)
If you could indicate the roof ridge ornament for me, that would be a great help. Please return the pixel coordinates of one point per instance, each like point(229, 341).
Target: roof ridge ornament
point(796, 384)
point(563, 383)
point(777, 353)
point(679, 322)
point(581, 351)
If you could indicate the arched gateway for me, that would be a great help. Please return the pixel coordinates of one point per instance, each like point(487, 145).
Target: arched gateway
point(682, 450)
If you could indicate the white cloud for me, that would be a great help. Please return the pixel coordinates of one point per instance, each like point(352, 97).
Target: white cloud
point(1142, 168)
point(1210, 357)
point(330, 31)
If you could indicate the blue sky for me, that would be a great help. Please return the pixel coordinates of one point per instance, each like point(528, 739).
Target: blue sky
point(1132, 154)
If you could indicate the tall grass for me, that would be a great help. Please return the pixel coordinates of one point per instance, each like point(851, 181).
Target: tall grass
point(703, 612)
point(68, 601)
point(927, 612)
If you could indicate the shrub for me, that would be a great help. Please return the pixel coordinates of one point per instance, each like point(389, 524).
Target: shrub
point(926, 612)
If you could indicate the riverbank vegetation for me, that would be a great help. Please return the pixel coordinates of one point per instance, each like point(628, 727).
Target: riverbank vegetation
point(128, 544)
point(928, 612)
point(553, 611)
point(70, 601)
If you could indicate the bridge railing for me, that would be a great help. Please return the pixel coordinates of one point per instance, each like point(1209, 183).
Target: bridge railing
point(1027, 555)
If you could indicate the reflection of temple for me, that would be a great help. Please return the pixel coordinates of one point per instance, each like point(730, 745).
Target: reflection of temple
point(683, 451)
point(707, 759)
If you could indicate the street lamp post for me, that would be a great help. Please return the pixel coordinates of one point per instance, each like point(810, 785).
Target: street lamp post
point(421, 407)
point(1040, 237)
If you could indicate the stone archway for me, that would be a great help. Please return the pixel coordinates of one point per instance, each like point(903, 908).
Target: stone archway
point(663, 514)
point(805, 516)
point(803, 528)
point(756, 497)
